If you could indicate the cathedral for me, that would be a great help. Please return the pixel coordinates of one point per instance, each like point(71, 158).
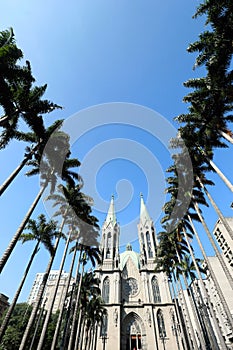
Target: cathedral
point(140, 311)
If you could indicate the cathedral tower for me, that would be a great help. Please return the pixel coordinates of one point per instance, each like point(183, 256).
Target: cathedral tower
point(140, 312)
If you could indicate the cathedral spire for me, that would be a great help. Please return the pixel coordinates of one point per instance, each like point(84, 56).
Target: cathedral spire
point(110, 238)
point(146, 235)
point(111, 216)
point(144, 216)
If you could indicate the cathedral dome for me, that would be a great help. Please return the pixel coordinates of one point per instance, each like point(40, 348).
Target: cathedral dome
point(129, 253)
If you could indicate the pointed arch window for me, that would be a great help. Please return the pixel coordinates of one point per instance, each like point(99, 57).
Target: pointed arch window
point(161, 324)
point(104, 326)
point(155, 290)
point(109, 236)
point(150, 253)
point(105, 292)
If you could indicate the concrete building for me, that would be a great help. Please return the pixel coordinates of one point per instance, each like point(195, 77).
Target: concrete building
point(49, 290)
point(218, 298)
point(141, 313)
point(224, 240)
point(4, 304)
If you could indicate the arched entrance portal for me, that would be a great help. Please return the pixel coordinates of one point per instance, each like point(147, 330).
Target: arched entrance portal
point(133, 335)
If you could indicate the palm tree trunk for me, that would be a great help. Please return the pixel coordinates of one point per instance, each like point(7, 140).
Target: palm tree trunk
point(13, 175)
point(179, 323)
point(38, 322)
point(83, 326)
point(89, 338)
point(96, 335)
point(78, 330)
point(211, 272)
point(211, 334)
point(40, 294)
point(92, 335)
point(65, 332)
point(46, 322)
point(216, 250)
point(63, 304)
point(192, 340)
point(15, 238)
point(226, 136)
point(220, 173)
point(76, 308)
point(199, 331)
point(218, 211)
point(14, 301)
point(72, 333)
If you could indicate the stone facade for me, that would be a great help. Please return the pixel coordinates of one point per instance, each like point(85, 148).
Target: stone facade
point(141, 313)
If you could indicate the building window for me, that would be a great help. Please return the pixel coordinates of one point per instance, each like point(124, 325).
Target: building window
point(105, 293)
point(108, 254)
point(161, 325)
point(150, 253)
point(104, 327)
point(109, 240)
point(155, 289)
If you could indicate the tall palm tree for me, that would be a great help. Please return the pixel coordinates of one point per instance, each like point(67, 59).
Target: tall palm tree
point(73, 201)
point(89, 298)
point(61, 313)
point(41, 291)
point(50, 168)
point(19, 98)
point(49, 311)
point(43, 232)
point(38, 144)
point(86, 253)
point(212, 274)
point(10, 72)
point(204, 299)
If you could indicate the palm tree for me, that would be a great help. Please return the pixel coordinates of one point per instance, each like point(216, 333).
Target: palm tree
point(58, 325)
point(205, 298)
point(19, 98)
point(73, 201)
point(212, 274)
point(41, 291)
point(90, 304)
point(50, 168)
point(218, 211)
point(38, 144)
point(10, 71)
point(43, 232)
point(86, 253)
point(49, 311)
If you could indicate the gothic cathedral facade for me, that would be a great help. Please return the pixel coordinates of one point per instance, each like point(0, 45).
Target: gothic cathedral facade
point(140, 310)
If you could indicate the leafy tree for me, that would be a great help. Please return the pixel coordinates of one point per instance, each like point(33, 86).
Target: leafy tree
point(17, 324)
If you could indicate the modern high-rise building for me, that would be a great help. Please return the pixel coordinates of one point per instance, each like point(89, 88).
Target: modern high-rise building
point(224, 239)
point(140, 311)
point(49, 290)
point(212, 309)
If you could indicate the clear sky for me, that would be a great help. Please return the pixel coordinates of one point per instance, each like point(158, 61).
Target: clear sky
point(94, 53)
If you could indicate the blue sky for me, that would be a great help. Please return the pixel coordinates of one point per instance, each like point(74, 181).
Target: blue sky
point(97, 52)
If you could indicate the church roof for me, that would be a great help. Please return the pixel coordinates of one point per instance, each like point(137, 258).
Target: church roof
point(111, 216)
point(129, 253)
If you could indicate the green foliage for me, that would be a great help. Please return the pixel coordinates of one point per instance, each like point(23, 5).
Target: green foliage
point(41, 231)
point(17, 325)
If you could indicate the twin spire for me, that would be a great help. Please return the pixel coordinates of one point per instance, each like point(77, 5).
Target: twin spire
point(111, 216)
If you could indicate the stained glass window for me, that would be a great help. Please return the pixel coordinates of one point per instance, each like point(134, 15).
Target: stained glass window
point(155, 289)
point(105, 293)
point(161, 324)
